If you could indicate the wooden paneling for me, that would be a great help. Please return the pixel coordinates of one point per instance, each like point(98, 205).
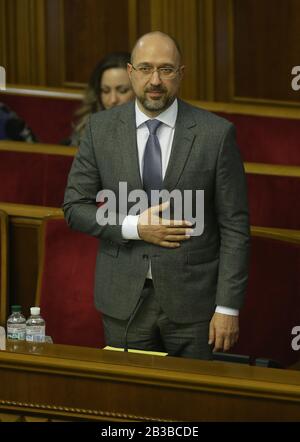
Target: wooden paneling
point(143, 17)
point(257, 45)
point(93, 28)
point(114, 386)
point(239, 108)
point(132, 22)
point(234, 51)
point(68, 37)
point(24, 229)
point(206, 24)
point(22, 418)
point(223, 51)
point(24, 240)
point(46, 149)
point(23, 50)
point(288, 235)
point(3, 40)
point(79, 51)
point(55, 42)
point(266, 47)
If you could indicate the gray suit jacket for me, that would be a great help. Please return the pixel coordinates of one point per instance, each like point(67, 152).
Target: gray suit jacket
point(206, 270)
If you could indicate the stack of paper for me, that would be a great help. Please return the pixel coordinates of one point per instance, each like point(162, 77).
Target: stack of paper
point(154, 353)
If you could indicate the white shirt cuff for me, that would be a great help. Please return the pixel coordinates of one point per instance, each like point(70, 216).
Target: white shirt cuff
point(129, 227)
point(227, 311)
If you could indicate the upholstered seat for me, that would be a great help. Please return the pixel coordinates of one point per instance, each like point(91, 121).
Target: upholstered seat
point(33, 177)
point(272, 200)
point(66, 285)
point(272, 305)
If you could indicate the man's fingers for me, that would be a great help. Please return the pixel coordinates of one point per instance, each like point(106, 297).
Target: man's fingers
point(227, 344)
point(178, 231)
point(163, 206)
point(179, 223)
point(218, 344)
point(176, 238)
point(234, 338)
point(211, 338)
point(223, 331)
point(169, 245)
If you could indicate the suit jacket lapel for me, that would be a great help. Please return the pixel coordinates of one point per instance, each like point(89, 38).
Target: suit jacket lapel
point(182, 144)
point(128, 145)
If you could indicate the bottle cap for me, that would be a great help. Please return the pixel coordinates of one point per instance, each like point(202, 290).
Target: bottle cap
point(34, 311)
point(16, 308)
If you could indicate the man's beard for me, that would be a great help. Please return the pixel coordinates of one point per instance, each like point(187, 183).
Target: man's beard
point(160, 104)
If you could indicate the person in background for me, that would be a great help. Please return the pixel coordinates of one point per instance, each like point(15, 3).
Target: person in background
point(109, 86)
point(13, 128)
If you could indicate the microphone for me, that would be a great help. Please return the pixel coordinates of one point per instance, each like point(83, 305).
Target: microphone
point(142, 297)
point(17, 130)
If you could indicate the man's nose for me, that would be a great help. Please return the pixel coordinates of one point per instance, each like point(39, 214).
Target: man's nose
point(155, 78)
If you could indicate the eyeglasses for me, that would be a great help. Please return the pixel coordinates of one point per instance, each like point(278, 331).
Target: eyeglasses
point(167, 73)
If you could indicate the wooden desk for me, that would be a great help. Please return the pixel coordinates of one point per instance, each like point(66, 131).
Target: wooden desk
point(73, 383)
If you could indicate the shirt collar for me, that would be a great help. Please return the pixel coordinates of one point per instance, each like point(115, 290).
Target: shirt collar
point(167, 117)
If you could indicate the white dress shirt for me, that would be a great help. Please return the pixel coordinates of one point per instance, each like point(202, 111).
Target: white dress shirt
point(165, 134)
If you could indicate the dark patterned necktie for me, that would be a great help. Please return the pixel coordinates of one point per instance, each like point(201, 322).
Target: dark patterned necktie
point(152, 171)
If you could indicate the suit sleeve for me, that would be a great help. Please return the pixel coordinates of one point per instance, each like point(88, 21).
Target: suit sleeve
point(231, 207)
point(84, 183)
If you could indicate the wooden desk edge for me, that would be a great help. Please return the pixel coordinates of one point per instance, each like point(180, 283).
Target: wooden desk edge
point(275, 387)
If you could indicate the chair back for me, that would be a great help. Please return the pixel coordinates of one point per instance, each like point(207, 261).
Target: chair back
point(272, 307)
point(66, 285)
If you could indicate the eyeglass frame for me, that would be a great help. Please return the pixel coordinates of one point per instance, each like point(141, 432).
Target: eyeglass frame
point(156, 70)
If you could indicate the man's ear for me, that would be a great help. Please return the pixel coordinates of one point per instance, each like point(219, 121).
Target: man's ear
point(181, 71)
point(129, 69)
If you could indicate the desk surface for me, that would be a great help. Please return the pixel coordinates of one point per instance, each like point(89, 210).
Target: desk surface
point(91, 357)
point(128, 386)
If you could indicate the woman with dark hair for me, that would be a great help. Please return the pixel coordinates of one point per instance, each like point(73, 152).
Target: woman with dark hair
point(108, 86)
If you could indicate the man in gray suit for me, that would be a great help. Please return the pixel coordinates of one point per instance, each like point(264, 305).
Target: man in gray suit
point(160, 286)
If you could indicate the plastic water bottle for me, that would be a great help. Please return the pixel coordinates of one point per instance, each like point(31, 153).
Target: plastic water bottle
point(2, 338)
point(16, 324)
point(35, 326)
